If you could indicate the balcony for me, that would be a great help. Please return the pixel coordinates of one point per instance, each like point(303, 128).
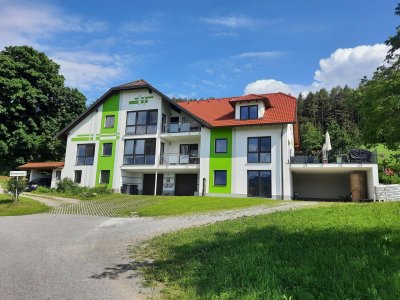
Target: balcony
point(179, 159)
point(181, 127)
point(354, 156)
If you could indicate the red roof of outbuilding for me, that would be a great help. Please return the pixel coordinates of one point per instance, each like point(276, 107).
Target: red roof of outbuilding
point(281, 108)
point(48, 165)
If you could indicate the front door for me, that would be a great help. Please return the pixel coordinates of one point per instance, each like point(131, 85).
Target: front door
point(259, 184)
point(185, 184)
point(149, 181)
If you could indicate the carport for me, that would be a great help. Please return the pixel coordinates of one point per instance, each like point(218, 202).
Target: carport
point(50, 169)
point(334, 181)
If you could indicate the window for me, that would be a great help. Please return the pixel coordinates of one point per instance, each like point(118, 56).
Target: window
point(107, 149)
point(140, 152)
point(142, 122)
point(259, 149)
point(189, 153)
point(248, 112)
point(219, 177)
point(58, 175)
point(221, 145)
point(78, 176)
point(109, 122)
point(85, 154)
point(259, 183)
point(104, 176)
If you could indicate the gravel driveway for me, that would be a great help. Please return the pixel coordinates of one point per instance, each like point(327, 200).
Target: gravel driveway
point(85, 257)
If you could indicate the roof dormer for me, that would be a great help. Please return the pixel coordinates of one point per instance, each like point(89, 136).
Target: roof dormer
point(249, 107)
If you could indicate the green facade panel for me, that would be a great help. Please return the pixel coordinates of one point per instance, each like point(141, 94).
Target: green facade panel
point(221, 161)
point(110, 108)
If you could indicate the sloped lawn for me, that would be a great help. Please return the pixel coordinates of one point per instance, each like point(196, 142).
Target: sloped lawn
point(343, 251)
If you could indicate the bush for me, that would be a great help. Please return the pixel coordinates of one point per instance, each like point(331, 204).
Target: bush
point(43, 189)
point(66, 185)
point(14, 186)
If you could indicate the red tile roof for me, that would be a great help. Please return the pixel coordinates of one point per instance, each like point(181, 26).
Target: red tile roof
point(281, 109)
point(48, 165)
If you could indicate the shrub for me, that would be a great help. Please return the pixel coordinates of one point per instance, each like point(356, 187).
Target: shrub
point(66, 185)
point(14, 186)
point(43, 189)
point(102, 189)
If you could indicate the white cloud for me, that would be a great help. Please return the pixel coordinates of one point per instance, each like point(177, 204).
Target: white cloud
point(261, 54)
point(231, 22)
point(265, 86)
point(87, 70)
point(343, 67)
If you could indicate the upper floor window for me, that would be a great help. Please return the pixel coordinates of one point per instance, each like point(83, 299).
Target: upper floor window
point(140, 152)
point(109, 121)
point(248, 112)
point(85, 154)
point(259, 149)
point(107, 149)
point(221, 145)
point(141, 122)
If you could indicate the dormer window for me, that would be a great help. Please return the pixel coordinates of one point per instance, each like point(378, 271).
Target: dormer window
point(248, 112)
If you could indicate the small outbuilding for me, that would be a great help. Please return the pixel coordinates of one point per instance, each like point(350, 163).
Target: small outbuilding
point(49, 169)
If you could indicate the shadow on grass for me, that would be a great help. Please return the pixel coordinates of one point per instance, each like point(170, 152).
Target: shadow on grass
point(6, 201)
point(270, 263)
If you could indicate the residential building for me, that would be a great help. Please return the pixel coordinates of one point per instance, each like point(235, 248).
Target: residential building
point(136, 140)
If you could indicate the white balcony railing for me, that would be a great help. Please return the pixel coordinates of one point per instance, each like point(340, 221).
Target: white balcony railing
point(179, 159)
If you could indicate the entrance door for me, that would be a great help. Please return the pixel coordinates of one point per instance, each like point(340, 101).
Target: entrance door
point(259, 184)
point(185, 184)
point(149, 181)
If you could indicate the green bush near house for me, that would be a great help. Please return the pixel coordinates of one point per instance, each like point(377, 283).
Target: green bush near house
point(24, 206)
point(343, 251)
point(68, 187)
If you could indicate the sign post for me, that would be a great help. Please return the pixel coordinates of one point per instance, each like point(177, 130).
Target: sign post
point(17, 174)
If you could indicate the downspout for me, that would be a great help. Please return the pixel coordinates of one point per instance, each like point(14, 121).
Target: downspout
point(282, 189)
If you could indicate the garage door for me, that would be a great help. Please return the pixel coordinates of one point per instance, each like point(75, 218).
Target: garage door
point(185, 184)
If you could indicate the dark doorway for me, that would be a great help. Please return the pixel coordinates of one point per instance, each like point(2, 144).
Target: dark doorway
point(259, 184)
point(185, 184)
point(148, 184)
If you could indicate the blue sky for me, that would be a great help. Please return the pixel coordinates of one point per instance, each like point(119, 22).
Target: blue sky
point(208, 48)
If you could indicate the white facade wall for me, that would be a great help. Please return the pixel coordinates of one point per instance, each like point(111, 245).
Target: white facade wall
point(204, 160)
point(240, 165)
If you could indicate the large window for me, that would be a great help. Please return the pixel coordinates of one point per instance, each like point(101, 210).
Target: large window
point(109, 121)
point(259, 149)
point(140, 152)
point(141, 122)
point(78, 176)
point(220, 177)
point(85, 154)
point(249, 112)
point(104, 176)
point(259, 183)
point(221, 145)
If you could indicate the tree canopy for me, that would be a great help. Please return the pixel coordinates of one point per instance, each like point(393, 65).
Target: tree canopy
point(34, 105)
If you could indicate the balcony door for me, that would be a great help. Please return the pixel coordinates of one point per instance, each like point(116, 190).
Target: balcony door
point(189, 154)
point(259, 184)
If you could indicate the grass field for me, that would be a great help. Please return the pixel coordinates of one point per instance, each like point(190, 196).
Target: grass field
point(343, 251)
point(24, 206)
point(125, 205)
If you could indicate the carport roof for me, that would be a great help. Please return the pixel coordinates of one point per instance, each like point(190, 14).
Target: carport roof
point(48, 165)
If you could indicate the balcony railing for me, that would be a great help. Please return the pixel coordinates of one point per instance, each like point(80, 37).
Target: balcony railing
point(181, 127)
point(179, 159)
point(354, 156)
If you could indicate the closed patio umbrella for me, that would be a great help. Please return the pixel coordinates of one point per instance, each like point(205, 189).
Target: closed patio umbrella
point(328, 146)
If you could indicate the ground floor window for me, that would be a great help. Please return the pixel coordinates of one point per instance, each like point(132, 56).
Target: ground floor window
point(259, 183)
point(58, 175)
point(78, 176)
point(105, 176)
point(220, 177)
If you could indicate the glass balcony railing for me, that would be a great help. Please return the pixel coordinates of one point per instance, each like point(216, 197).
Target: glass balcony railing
point(181, 127)
point(179, 159)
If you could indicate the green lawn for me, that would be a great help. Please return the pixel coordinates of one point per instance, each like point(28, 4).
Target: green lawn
point(125, 205)
point(24, 206)
point(342, 251)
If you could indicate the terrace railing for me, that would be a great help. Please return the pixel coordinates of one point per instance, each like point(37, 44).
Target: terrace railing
point(179, 159)
point(181, 127)
point(355, 156)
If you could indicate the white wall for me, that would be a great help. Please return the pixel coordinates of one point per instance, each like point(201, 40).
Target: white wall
point(204, 159)
point(240, 165)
